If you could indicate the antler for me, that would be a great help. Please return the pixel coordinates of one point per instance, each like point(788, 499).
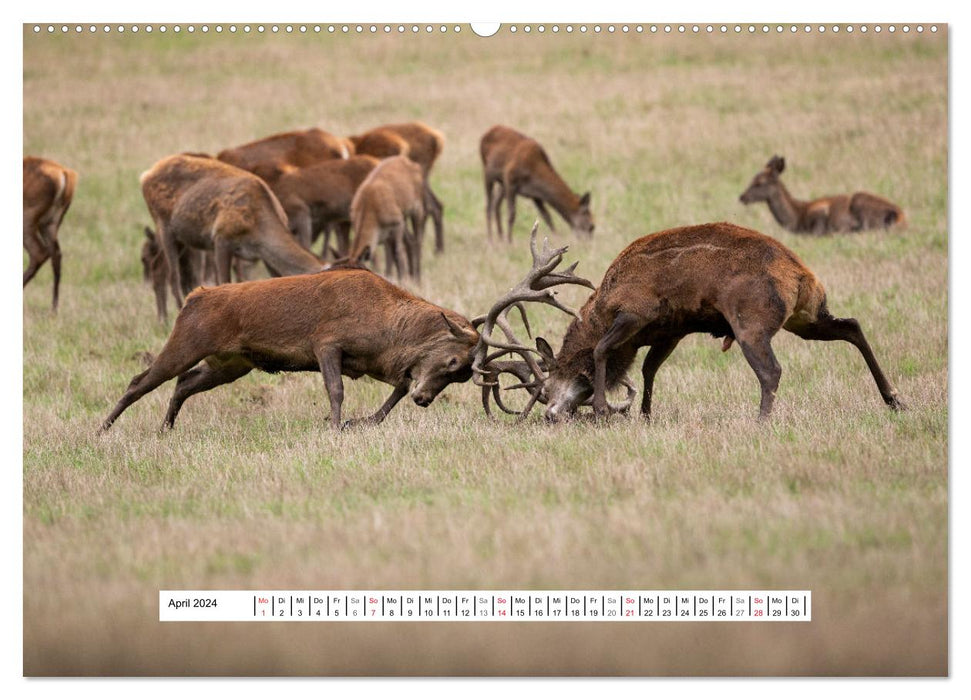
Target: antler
point(534, 287)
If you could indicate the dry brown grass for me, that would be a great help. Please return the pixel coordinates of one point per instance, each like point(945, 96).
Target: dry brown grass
point(252, 490)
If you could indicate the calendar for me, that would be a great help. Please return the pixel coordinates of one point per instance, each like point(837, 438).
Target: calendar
point(485, 606)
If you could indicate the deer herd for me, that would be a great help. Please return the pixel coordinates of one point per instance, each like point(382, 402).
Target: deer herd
point(272, 200)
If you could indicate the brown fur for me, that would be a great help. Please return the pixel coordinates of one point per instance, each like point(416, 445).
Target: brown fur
point(205, 204)
point(346, 322)
point(519, 166)
point(715, 278)
point(318, 197)
point(384, 205)
point(48, 192)
point(835, 214)
point(420, 143)
point(270, 157)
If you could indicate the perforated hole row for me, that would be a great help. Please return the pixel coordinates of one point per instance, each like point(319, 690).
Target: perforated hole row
point(513, 29)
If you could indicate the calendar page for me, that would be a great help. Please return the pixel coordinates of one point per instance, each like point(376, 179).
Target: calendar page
point(514, 349)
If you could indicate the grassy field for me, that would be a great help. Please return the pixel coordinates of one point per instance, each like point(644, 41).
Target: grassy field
point(252, 491)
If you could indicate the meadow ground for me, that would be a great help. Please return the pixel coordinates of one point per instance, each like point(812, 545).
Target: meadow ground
point(252, 491)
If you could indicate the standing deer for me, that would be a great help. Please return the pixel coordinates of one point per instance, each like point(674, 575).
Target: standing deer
point(423, 145)
point(342, 322)
point(270, 157)
point(318, 197)
point(855, 212)
point(48, 191)
point(205, 204)
point(719, 278)
point(520, 166)
point(195, 267)
point(384, 205)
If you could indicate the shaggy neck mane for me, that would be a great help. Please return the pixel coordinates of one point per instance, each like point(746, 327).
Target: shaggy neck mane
point(582, 336)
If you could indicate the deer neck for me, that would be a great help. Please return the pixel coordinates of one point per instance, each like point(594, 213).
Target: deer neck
point(786, 209)
point(551, 188)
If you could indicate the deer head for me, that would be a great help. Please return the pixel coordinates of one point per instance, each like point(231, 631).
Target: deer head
point(765, 181)
point(533, 369)
point(582, 220)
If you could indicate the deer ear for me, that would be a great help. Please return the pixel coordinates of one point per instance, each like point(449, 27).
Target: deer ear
point(585, 200)
point(545, 351)
point(456, 329)
point(778, 163)
point(149, 234)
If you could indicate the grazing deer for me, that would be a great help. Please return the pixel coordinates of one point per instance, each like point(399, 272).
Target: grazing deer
point(205, 204)
point(318, 197)
point(347, 322)
point(855, 212)
point(385, 203)
point(155, 270)
point(48, 191)
point(719, 278)
point(423, 145)
point(270, 157)
point(520, 166)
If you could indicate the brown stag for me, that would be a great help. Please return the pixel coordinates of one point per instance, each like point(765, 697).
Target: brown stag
point(270, 157)
point(384, 205)
point(718, 278)
point(205, 204)
point(318, 197)
point(520, 166)
point(48, 191)
point(420, 143)
point(342, 322)
point(855, 212)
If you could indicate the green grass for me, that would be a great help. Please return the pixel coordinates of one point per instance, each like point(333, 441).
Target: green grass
point(253, 490)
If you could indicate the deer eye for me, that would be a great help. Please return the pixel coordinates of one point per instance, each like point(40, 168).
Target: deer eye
point(452, 363)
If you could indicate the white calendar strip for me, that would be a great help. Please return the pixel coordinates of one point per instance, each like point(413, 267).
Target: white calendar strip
point(485, 606)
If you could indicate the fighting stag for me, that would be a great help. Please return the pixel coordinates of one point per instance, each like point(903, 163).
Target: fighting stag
point(531, 371)
point(722, 279)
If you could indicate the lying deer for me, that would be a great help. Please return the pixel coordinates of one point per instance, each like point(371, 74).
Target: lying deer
point(270, 157)
point(423, 145)
point(205, 204)
point(48, 191)
point(520, 166)
point(719, 278)
point(318, 197)
point(387, 201)
point(855, 212)
point(342, 322)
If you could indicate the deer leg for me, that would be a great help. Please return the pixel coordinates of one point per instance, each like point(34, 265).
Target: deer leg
point(56, 267)
point(544, 212)
point(625, 325)
point(511, 194)
point(757, 348)
point(416, 241)
point(37, 252)
point(163, 369)
point(656, 356)
point(379, 415)
point(330, 367)
point(434, 207)
point(223, 253)
point(172, 251)
point(489, 191)
point(343, 239)
point(400, 250)
point(302, 227)
point(199, 379)
point(827, 327)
